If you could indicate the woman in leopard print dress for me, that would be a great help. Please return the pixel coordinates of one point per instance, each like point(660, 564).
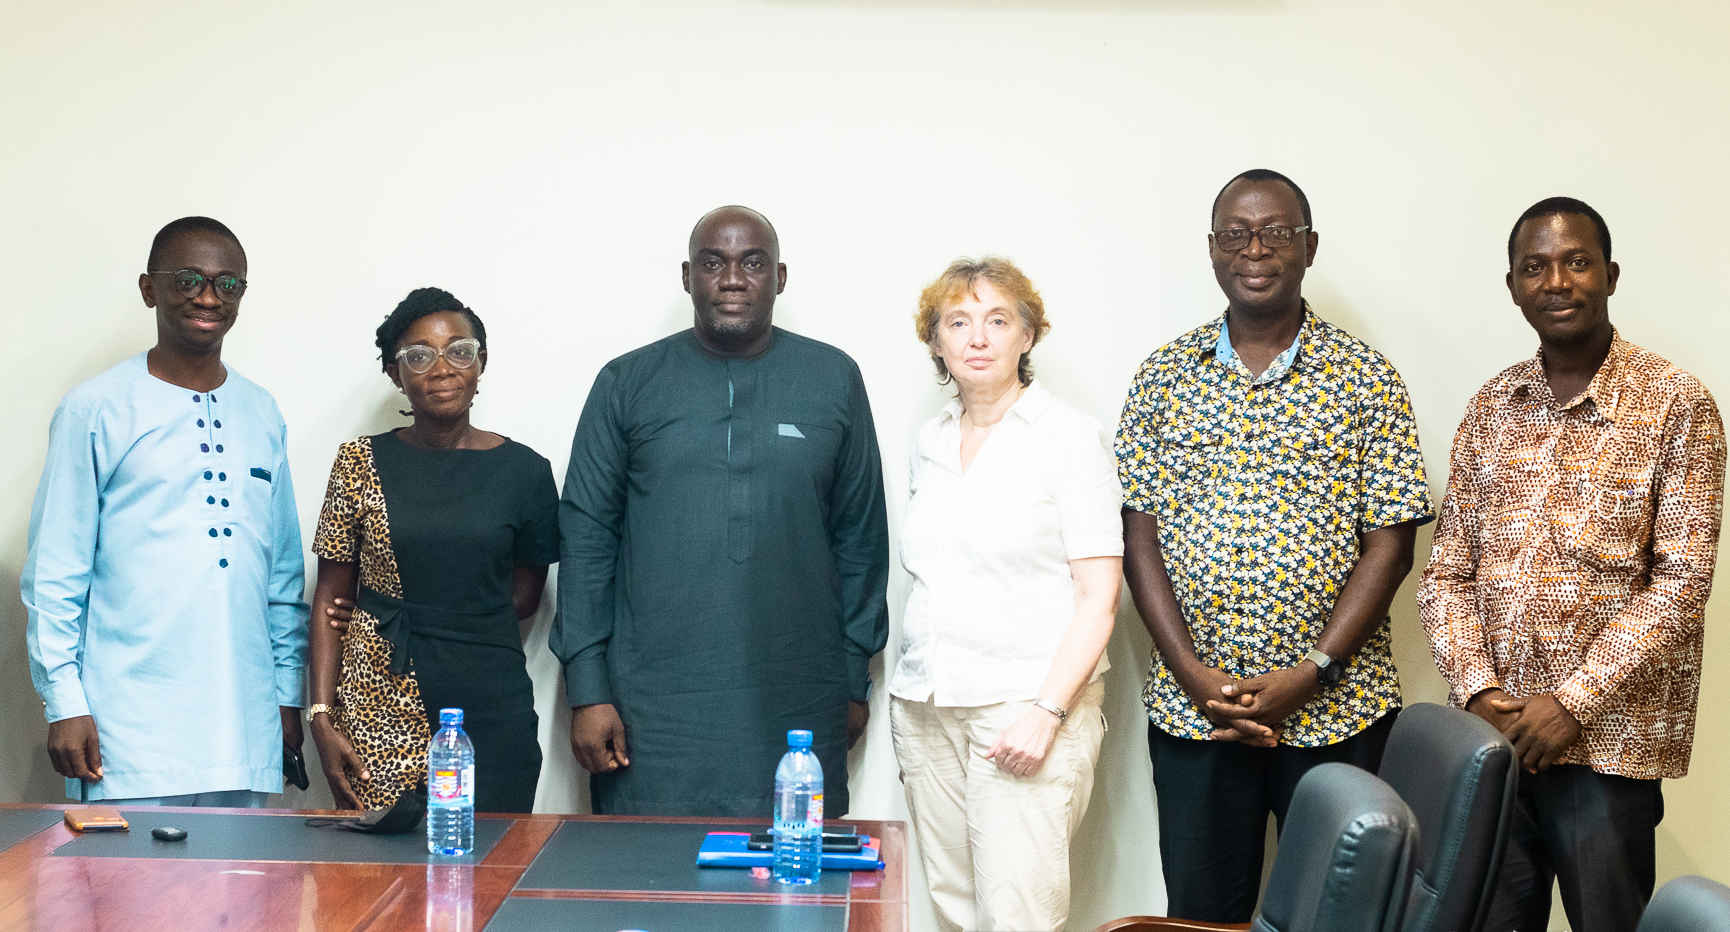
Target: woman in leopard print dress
point(441, 534)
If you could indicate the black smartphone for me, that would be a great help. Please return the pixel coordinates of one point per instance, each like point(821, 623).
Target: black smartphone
point(832, 832)
point(763, 841)
point(293, 766)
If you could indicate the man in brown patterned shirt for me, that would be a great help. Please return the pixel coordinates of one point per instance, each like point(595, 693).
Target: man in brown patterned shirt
point(1567, 586)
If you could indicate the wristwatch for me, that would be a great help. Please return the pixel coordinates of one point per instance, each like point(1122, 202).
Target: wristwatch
point(317, 709)
point(1328, 670)
point(1053, 708)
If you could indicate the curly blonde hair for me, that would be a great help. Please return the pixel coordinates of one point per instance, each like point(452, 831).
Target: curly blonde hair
point(960, 278)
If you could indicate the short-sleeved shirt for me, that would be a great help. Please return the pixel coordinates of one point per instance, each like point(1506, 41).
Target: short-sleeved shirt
point(1262, 487)
point(989, 547)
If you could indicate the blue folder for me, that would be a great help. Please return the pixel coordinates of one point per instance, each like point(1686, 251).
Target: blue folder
point(727, 849)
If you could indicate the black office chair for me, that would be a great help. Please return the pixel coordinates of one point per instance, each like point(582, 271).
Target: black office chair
point(1344, 857)
point(1457, 773)
point(1342, 865)
point(1688, 904)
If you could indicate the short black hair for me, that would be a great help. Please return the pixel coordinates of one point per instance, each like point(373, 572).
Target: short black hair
point(1553, 206)
point(178, 228)
point(419, 303)
point(1265, 174)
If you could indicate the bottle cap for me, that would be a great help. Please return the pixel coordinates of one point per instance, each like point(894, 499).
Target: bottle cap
point(798, 738)
point(450, 717)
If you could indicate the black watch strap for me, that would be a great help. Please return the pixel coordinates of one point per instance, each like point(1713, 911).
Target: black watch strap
point(1328, 670)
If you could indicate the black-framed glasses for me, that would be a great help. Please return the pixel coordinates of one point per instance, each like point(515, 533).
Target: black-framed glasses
point(1273, 236)
point(419, 357)
point(190, 282)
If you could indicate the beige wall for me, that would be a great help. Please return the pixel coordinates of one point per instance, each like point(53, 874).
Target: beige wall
point(544, 162)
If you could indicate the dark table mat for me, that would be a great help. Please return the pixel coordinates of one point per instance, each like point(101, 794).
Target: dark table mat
point(649, 856)
point(19, 824)
point(532, 913)
point(218, 836)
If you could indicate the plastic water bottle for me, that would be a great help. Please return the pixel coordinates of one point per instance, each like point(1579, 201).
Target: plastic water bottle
point(798, 828)
point(450, 784)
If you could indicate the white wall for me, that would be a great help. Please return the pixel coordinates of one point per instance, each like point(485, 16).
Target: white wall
point(545, 161)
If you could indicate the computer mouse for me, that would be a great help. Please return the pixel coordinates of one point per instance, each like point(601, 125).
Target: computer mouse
point(168, 833)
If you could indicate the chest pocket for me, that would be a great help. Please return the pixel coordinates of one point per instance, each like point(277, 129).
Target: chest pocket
point(256, 485)
point(246, 479)
point(247, 497)
point(1615, 522)
point(1309, 457)
point(1614, 509)
point(249, 465)
point(1192, 463)
point(802, 450)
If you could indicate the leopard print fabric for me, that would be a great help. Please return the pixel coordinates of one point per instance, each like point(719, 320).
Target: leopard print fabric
point(381, 714)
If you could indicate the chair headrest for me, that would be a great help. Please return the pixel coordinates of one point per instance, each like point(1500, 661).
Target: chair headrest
point(1688, 904)
point(1343, 857)
point(1441, 761)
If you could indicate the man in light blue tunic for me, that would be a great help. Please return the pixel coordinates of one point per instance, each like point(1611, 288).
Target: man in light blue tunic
point(164, 579)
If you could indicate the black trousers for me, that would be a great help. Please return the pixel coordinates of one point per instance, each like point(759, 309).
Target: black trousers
point(1593, 832)
point(1214, 798)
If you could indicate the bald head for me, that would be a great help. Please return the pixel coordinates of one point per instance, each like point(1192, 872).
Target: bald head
point(732, 215)
point(733, 275)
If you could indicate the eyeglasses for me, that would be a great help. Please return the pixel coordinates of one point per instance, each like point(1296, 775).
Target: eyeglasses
point(190, 282)
point(1272, 236)
point(460, 354)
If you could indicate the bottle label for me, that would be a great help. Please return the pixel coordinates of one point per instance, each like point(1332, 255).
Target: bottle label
point(816, 812)
point(450, 785)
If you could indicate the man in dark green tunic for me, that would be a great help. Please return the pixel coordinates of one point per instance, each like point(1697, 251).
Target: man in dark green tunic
point(724, 550)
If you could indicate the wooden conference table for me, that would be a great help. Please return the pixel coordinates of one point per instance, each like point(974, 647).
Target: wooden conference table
point(266, 869)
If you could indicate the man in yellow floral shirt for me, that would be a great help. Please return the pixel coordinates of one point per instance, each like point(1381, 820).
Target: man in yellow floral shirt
point(1272, 489)
point(1566, 592)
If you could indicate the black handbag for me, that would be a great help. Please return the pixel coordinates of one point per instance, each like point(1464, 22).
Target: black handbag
point(402, 817)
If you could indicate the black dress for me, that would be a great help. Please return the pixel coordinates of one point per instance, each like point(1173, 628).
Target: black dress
point(438, 535)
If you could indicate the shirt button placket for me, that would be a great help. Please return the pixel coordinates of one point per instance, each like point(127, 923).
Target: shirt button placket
point(216, 480)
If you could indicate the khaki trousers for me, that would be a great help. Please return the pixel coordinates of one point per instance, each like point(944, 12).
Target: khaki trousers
point(995, 847)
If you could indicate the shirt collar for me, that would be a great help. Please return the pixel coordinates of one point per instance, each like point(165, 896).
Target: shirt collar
point(1303, 345)
point(1605, 389)
point(1032, 404)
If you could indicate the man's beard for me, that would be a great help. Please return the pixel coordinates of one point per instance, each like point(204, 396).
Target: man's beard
point(734, 331)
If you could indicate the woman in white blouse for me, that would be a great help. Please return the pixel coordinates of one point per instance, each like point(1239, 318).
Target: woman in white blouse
point(1013, 542)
